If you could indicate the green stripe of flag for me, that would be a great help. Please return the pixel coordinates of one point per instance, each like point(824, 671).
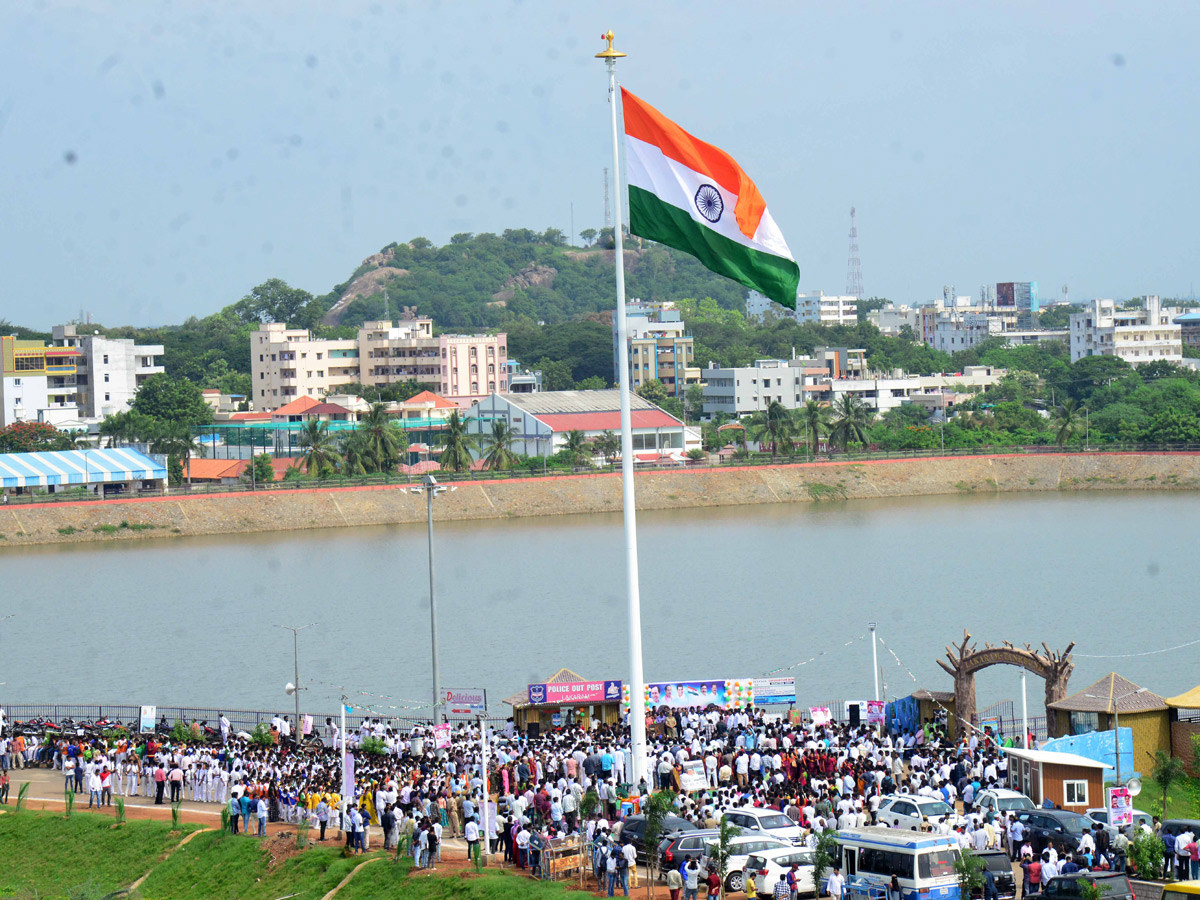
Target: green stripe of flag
point(774, 276)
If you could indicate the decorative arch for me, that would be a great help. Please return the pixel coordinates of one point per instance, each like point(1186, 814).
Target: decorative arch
point(963, 660)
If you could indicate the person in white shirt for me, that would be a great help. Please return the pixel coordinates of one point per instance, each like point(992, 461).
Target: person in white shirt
point(836, 884)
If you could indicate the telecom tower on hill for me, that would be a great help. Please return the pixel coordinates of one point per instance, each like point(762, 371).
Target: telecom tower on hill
point(854, 283)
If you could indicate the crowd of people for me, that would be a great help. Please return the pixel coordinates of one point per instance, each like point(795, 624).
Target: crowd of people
point(567, 781)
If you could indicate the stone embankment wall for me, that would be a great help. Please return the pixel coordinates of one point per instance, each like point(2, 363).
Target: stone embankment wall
point(171, 516)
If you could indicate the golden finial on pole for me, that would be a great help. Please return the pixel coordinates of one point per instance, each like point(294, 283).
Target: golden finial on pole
point(609, 52)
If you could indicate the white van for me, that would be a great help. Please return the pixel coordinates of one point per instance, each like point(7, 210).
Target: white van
point(923, 863)
point(771, 822)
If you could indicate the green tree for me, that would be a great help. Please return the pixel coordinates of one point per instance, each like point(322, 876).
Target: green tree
point(172, 400)
point(969, 869)
point(654, 391)
point(576, 444)
point(851, 419)
point(608, 445)
point(773, 425)
point(722, 850)
point(588, 235)
point(1167, 770)
point(656, 809)
point(814, 419)
point(592, 383)
point(385, 439)
point(693, 402)
point(175, 439)
point(457, 444)
point(260, 470)
point(357, 458)
point(275, 301)
point(499, 455)
point(1067, 418)
point(318, 449)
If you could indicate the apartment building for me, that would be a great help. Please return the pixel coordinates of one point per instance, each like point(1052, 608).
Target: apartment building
point(286, 363)
point(816, 308)
point(38, 383)
point(1140, 335)
point(108, 371)
point(659, 348)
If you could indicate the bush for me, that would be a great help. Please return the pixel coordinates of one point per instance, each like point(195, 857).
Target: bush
point(261, 735)
point(373, 746)
point(1146, 855)
point(969, 869)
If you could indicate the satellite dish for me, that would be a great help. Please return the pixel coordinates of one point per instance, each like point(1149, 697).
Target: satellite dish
point(1135, 786)
point(289, 689)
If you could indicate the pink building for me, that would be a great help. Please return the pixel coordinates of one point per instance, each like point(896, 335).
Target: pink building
point(473, 366)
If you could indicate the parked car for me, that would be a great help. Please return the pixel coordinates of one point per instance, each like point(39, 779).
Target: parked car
point(1045, 825)
point(741, 849)
point(1112, 885)
point(771, 864)
point(634, 830)
point(1178, 826)
point(1001, 800)
point(908, 811)
point(1000, 865)
point(1100, 816)
point(771, 821)
point(682, 846)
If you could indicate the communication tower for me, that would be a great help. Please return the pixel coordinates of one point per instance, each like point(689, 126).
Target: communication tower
point(854, 282)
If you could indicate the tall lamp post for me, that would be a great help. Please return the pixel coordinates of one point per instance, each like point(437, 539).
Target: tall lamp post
point(1112, 704)
point(430, 488)
point(294, 687)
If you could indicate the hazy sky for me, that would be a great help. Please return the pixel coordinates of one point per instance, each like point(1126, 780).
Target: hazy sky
point(159, 159)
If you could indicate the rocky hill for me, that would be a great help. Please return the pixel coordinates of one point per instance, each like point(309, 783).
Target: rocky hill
point(488, 280)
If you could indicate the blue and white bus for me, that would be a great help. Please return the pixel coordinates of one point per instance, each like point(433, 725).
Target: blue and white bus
point(923, 864)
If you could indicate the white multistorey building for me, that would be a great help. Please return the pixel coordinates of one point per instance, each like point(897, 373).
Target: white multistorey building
point(108, 371)
point(816, 308)
point(1134, 335)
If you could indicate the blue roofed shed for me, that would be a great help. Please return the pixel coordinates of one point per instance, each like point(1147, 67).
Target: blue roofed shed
point(122, 469)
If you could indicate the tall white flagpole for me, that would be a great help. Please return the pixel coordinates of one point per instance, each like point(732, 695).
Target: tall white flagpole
point(637, 697)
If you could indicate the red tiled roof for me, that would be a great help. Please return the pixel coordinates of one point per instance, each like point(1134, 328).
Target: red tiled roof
point(250, 417)
point(327, 409)
point(420, 468)
point(214, 468)
point(430, 397)
point(608, 421)
point(297, 407)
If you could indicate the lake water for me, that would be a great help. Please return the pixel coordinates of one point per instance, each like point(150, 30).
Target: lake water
point(730, 592)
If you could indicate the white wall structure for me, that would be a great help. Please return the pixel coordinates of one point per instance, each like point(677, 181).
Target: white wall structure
point(817, 308)
point(110, 370)
point(1134, 335)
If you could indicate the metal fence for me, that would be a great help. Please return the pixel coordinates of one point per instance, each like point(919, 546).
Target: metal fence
point(545, 470)
point(239, 719)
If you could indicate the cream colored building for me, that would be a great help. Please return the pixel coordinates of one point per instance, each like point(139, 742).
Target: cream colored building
point(287, 363)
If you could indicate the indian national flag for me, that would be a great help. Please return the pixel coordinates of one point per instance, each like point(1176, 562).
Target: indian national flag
point(692, 196)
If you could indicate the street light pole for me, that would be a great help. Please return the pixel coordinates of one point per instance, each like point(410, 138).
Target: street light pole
point(294, 687)
point(430, 487)
point(1116, 714)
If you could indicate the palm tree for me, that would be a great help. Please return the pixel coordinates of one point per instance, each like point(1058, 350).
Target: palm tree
point(851, 418)
point(773, 424)
point(576, 444)
point(175, 439)
point(113, 427)
point(386, 441)
point(318, 447)
point(457, 443)
point(1067, 416)
point(814, 416)
point(356, 454)
point(607, 445)
point(499, 454)
point(1166, 770)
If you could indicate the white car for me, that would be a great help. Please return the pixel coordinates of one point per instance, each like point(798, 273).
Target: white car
point(1139, 818)
point(742, 848)
point(909, 811)
point(776, 863)
point(1000, 801)
point(771, 821)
